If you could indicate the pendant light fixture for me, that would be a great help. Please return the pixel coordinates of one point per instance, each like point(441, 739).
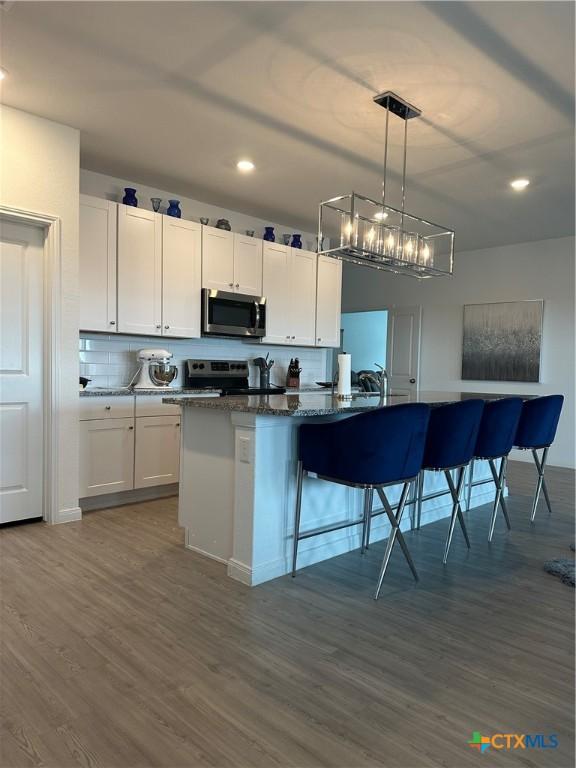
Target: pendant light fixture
point(374, 234)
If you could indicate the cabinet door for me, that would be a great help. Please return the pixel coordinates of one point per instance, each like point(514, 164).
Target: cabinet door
point(303, 301)
point(217, 259)
point(157, 450)
point(328, 302)
point(97, 264)
point(247, 265)
point(181, 277)
point(276, 277)
point(139, 271)
point(106, 456)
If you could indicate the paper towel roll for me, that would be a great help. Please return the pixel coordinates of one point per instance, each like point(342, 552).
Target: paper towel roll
point(344, 375)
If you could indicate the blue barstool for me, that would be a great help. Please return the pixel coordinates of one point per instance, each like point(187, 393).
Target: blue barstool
point(371, 451)
point(452, 434)
point(536, 431)
point(495, 440)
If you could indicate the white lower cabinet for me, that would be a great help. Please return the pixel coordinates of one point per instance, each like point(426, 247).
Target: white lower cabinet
point(157, 459)
point(106, 456)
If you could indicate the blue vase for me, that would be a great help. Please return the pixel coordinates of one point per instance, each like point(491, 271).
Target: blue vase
point(174, 209)
point(296, 241)
point(269, 234)
point(130, 197)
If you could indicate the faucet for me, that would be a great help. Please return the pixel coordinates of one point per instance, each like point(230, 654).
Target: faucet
point(379, 378)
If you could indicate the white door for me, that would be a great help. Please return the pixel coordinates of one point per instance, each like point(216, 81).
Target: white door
point(139, 271)
point(303, 297)
point(97, 264)
point(403, 348)
point(157, 451)
point(328, 302)
point(217, 259)
point(181, 277)
point(21, 371)
point(106, 456)
point(276, 279)
point(248, 265)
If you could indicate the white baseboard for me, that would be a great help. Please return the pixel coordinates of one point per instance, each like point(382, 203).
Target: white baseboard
point(70, 515)
point(192, 548)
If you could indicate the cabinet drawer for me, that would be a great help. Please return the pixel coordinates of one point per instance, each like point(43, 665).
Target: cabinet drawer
point(152, 405)
point(106, 407)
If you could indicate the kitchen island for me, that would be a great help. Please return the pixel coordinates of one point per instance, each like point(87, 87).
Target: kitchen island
point(238, 481)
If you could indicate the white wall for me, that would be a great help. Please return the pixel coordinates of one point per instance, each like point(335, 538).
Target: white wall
point(535, 270)
point(39, 170)
point(111, 188)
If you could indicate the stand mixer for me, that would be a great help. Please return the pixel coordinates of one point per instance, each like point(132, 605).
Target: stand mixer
point(155, 370)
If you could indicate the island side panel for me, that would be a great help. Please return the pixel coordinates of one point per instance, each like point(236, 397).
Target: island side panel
point(206, 503)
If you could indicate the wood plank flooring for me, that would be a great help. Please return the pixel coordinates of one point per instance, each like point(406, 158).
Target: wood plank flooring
point(122, 649)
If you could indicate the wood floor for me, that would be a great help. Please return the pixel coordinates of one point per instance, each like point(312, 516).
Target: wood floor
point(121, 649)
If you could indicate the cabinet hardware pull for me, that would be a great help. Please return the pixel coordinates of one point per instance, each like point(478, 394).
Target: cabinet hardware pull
point(237, 285)
point(130, 427)
point(166, 327)
point(319, 338)
point(159, 326)
point(178, 424)
point(107, 407)
point(231, 285)
point(293, 337)
point(112, 322)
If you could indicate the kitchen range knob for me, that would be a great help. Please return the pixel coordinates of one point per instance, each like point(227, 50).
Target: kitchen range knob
point(107, 407)
point(194, 365)
point(201, 365)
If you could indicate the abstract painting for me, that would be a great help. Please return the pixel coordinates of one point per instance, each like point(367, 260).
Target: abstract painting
point(502, 341)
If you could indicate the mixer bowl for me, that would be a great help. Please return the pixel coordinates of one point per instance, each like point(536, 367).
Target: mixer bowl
point(163, 374)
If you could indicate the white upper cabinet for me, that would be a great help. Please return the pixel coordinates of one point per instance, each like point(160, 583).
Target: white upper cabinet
point(97, 267)
point(139, 271)
point(248, 265)
point(181, 277)
point(276, 277)
point(217, 259)
point(289, 285)
point(328, 302)
point(303, 297)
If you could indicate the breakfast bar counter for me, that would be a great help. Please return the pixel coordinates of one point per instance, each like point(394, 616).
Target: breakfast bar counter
point(238, 480)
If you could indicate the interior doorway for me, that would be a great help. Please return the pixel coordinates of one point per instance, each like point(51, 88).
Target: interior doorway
point(21, 371)
point(364, 336)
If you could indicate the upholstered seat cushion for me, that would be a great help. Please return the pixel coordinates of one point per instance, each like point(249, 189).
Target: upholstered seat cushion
point(498, 427)
point(539, 421)
point(382, 446)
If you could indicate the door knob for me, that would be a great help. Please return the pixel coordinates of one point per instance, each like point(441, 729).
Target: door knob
point(412, 381)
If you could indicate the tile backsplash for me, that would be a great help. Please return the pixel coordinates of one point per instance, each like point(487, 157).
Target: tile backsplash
point(110, 360)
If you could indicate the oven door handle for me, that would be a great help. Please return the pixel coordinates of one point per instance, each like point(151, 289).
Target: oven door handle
point(256, 315)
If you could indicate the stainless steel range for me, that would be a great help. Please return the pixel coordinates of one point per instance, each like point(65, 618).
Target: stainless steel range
point(229, 376)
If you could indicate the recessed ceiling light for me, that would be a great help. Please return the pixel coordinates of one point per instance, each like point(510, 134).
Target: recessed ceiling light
point(245, 166)
point(519, 184)
point(381, 215)
point(3, 73)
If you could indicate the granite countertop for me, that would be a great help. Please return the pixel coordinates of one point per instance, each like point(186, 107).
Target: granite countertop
point(308, 404)
point(125, 391)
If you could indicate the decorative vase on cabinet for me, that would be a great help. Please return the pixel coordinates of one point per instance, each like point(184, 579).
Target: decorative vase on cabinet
point(174, 209)
point(269, 234)
point(130, 197)
point(296, 241)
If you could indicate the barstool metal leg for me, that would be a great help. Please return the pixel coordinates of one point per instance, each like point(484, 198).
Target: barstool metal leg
point(368, 504)
point(412, 501)
point(541, 484)
point(299, 477)
point(392, 538)
point(394, 523)
point(499, 498)
point(469, 488)
point(420, 493)
point(456, 511)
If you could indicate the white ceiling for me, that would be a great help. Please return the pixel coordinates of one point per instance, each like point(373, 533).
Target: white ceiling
point(173, 94)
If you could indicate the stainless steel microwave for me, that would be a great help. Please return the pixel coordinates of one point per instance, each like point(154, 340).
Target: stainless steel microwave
point(233, 314)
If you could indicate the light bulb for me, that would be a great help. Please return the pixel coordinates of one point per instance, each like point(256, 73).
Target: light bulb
point(245, 166)
point(371, 234)
point(381, 215)
point(425, 253)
